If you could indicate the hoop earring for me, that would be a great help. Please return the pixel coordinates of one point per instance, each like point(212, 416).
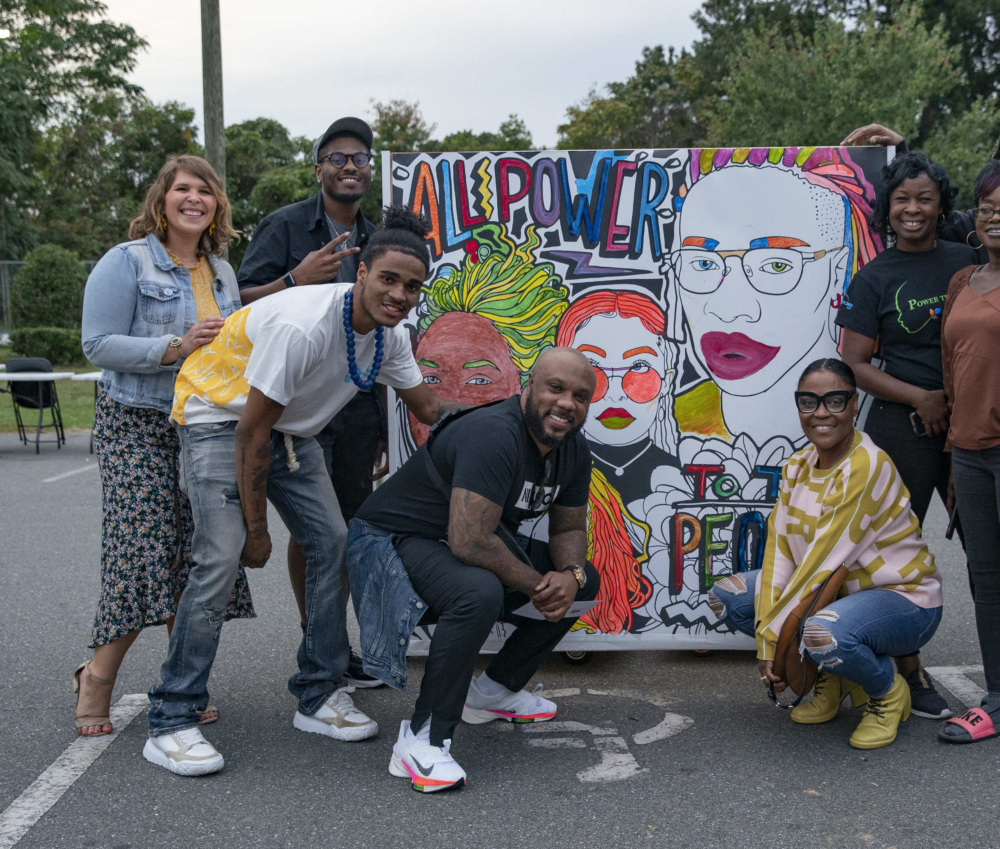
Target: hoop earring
point(163, 221)
point(971, 234)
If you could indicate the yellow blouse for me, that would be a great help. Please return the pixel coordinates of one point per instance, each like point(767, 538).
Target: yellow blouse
point(202, 280)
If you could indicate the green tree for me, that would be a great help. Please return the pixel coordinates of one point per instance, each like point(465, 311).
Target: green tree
point(95, 165)
point(265, 169)
point(48, 290)
point(793, 89)
point(59, 51)
point(650, 109)
point(964, 143)
point(513, 134)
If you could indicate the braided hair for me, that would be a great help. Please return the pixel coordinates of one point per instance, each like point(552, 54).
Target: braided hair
point(402, 230)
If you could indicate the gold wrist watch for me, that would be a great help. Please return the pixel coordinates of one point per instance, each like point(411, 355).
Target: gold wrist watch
point(578, 573)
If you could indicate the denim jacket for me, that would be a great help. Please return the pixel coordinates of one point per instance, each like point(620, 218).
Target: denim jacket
point(137, 299)
point(387, 606)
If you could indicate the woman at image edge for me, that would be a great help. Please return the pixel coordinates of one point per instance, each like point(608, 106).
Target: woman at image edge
point(148, 304)
point(892, 310)
point(971, 327)
point(841, 502)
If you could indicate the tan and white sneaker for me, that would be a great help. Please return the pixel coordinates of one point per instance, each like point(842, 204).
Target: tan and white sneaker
point(338, 718)
point(184, 752)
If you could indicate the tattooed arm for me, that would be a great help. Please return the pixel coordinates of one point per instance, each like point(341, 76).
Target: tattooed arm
point(472, 522)
point(425, 405)
point(568, 536)
point(253, 454)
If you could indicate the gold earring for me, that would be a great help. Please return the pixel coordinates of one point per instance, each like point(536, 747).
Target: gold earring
point(211, 229)
point(163, 221)
point(971, 234)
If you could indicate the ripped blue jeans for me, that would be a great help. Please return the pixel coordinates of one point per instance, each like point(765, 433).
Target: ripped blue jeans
point(307, 504)
point(856, 637)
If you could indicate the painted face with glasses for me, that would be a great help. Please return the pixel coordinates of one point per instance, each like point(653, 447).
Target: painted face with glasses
point(630, 365)
point(344, 169)
point(760, 254)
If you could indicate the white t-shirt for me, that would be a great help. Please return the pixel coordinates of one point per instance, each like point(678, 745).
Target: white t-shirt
point(291, 346)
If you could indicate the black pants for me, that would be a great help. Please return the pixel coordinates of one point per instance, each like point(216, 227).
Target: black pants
point(466, 602)
point(921, 461)
point(977, 490)
point(349, 441)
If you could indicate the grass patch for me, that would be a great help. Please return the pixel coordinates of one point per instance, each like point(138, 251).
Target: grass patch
point(76, 400)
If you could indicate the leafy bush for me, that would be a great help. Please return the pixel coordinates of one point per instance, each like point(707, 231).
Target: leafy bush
point(48, 290)
point(57, 344)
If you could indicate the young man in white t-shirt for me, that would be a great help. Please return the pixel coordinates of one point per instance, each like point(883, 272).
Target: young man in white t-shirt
point(247, 406)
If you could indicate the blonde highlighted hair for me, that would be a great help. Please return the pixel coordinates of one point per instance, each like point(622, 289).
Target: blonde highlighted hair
point(502, 282)
point(150, 218)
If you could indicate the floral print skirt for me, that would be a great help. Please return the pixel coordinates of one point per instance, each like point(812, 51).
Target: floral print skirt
point(146, 541)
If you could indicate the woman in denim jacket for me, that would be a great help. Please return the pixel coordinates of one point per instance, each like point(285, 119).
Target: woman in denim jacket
point(150, 303)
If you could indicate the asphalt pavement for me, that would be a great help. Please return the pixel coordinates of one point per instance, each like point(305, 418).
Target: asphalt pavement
point(649, 748)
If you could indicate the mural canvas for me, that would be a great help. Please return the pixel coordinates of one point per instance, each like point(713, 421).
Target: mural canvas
point(699, 283)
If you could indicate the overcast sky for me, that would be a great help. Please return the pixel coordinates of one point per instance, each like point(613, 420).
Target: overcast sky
point(469, 63)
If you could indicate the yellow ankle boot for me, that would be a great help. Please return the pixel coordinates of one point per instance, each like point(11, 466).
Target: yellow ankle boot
point(829, 693)
point(882, 717)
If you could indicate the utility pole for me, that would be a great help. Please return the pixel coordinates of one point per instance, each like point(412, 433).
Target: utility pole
point(211, 71)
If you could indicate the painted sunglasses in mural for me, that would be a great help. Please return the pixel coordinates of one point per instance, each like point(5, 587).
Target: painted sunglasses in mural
point(640, 381)
point(771, 270)
point(835, 402)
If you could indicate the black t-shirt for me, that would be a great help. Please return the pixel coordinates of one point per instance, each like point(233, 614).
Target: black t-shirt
point(897, 298)
point(488, 452)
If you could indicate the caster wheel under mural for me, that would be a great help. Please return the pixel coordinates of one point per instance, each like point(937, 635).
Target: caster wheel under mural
point(576, 658)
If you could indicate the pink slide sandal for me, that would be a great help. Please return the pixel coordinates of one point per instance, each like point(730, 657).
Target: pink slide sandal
point(971, 727)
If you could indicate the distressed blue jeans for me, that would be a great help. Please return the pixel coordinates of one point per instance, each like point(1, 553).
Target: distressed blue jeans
point(308, 506)
point(865, 630)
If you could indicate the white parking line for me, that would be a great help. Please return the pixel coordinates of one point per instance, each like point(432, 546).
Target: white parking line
point(70, 474)
point(956, 679)
point(48, 788)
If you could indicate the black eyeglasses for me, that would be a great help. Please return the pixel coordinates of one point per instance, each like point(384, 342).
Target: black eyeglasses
point(339, 160)
point(986, 213)
point(835, 402)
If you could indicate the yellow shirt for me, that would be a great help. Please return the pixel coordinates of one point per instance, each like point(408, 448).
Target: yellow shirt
point(202, 280)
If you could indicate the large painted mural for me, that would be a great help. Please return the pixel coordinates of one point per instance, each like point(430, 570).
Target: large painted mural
point(698, 283)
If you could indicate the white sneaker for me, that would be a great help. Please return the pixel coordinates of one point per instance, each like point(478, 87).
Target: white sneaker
point(338, 718)
point(521, 706)
point(184, 752)
point(429, 768)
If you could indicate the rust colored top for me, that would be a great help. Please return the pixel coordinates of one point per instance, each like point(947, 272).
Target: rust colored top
point(970, 357)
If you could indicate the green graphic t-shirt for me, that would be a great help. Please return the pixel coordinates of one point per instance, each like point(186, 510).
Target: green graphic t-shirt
point(897, 298)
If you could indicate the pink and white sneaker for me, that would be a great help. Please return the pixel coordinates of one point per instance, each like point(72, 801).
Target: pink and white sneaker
point(429, 768)
point(521, 706)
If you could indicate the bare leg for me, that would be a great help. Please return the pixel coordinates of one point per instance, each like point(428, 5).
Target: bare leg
point(95, 700)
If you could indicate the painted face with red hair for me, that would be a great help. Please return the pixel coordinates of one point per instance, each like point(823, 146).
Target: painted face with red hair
point(621, 333)
point(464, 358)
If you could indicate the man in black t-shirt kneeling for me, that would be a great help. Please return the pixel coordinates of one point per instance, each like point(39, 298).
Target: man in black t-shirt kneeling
point(441, 536)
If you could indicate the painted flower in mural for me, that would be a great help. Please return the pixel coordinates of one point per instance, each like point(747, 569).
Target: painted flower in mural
point(675, 491)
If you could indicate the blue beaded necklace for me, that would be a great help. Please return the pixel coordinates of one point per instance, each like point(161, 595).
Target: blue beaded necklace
point(363, 380)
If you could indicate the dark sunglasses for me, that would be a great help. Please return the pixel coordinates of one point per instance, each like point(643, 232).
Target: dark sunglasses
point(835, 402)
point(339, 160)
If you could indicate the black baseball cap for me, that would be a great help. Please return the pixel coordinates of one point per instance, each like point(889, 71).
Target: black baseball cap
point(344, 127)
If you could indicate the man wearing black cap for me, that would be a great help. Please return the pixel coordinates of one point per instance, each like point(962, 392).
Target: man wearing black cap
point(316, 241)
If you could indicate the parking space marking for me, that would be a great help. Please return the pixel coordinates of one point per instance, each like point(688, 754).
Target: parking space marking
point(956, 679)
point(82, 469)
point(617, 761)
point(48, 788)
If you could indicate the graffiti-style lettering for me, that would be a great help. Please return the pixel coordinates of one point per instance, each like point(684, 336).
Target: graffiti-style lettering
point(749, 535)
point(507, 197)
point(451, 237)
point(711, 546)
point(645, 209)
point(582, 209)
point(546, 216)
point(701, 473)
point(614, 229)
point(461, 190)
point(424, 192)
point(680, 547)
